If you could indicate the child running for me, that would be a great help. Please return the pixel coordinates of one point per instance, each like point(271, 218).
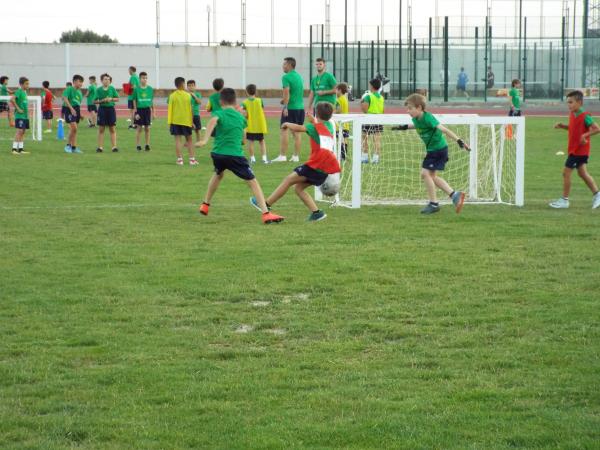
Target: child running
point(321, 163)
point(432, 133)
point(581, 127)
point(257, 123)
point(180, 120)
point(228, 154)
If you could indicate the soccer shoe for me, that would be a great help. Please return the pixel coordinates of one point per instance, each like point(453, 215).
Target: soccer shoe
point(77, 150)
point(596, 200)
point(193, 162)
point(147, 148)
point(269, 217)
point(375, 159)
point(204, 209)
point(47, 131)
point(561, 203)
point(280, 158)
point(265, 161)
point(430, 209)
point(295, 158)
point(458, 198)
point(115, 150)
point(15, 151)
point(254, 203)
point(99, 150)
point(364, 158)
point(317, 216)
point(179, 161)
point(139, 148)
point(252, 160)
point(68, 149)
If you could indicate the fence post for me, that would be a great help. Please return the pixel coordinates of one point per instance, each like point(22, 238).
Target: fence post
point(67, 61)
point(358, 72)
point(562, 59)
point(385, 58)
point(429, 68)
point(414, 65)
point(400, 52)
point(333, 68)
point(550, 69)
point(310, 53)
point(446, 58)
point(524, 58)
point(485, 60)
point(475, 72)
point(372, 60)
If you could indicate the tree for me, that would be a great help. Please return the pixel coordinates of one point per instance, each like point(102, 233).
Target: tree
point(85, 36)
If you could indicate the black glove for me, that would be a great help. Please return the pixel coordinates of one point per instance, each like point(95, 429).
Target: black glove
point(400, 128)
point(461, 143)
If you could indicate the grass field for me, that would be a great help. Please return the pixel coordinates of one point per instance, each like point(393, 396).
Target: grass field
point(127, 320)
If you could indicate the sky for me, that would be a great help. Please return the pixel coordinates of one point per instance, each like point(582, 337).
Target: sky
point(134, 21)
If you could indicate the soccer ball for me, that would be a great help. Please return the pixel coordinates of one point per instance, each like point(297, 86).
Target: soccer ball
point(331, 186)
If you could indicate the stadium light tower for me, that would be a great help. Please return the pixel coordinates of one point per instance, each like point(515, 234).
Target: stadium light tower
point(208, 23)
point(157, 46)
point(186, 22)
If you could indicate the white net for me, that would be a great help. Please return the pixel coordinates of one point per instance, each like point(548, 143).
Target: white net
point(7, 132)
point(491, 173)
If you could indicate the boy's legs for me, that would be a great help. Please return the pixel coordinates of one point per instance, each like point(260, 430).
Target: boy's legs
point(587, 178)
point(567, 172)
point(138, 135)
point(251, 149)
point(258, 194)
point(289, 181)
point(197, 134)
point(305, 197)
point(213, 184)
point(113, 135)
point(263, 149)
point(428, 177)
point(284, 142)
point(190, 146)
point(297, 143)
point(147, 134)
point(178, 147)
point(94, 118)
point(72, 134)
point(101, 136)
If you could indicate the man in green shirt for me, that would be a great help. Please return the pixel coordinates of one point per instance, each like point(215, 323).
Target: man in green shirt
point(134, 82)
point(293, 108)
point(72, 98)
point(143, 104)
point(322, 87)
point(19, 103)
point(91, 106)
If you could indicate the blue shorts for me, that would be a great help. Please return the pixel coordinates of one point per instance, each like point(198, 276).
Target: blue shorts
point(255, 136)
point(436, 160)
point(313, 176)
point(92, 108)
point(197, 123)
point(129, 104)
point(22, 124)
point(236, 164)
point(576, 161)
point(180, 130)
point(47, 115)
point(73, 118)
point(145, 117)
point(294, 116)
point(107, 117)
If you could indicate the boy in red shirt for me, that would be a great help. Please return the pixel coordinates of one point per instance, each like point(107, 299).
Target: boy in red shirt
point(47, 113)
point(581, 127)
point(321, 163)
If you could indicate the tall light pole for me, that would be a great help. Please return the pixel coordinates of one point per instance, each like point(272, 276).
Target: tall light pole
point(208, 23)
point(272, 21)
point(243, 43)
point(157, 46)
point(186, 22)
point(214, 12)
point(299, 21)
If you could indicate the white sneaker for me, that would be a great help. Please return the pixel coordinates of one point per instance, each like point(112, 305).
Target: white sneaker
point(596, 200)
point(280, 158)
point(364, 158)
point(265, 161)
point(193, 162)
point(375, 159)
point(295, 158)
point(561, 203)
point(180, 161)
point(252, 160)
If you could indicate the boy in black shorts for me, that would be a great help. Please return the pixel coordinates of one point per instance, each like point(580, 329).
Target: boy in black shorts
point(91, 106)
point(72, 98)
point(19, 102)
point(228, 153)
point(143, 96)
point(196, 102)
point(4, 106)
point(180, 120)
point(106, 96)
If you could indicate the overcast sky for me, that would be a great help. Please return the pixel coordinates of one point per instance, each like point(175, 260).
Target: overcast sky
point(134, 21)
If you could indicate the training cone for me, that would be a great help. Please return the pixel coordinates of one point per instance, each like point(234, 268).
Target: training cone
point(508, 132)
point(60, 130)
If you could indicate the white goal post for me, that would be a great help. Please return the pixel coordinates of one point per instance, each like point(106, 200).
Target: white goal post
point(491, 173)
point(35, 116)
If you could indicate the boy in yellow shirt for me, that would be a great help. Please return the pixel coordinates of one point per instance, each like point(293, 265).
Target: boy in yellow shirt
point(341, 107)
point(257, 123)
point(180, 120)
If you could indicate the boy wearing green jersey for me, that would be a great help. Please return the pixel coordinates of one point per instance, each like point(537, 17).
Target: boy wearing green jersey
point(72, 98)
point(4, 104)
point(91, 106)
point(144, 111)
point(106, 96)
point(214, 101)
point(432, 133)
point(134, 82)
point(514, 96)
point(19, 102)
point(196, 102)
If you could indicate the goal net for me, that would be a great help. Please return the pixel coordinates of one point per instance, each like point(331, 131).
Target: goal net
point(492, 172)
point(34, 104)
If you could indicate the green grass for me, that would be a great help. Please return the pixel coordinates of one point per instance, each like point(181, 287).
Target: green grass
point(123, 327)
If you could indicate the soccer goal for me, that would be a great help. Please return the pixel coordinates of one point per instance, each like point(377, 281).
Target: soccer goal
point(491, 173)
point(34, 104)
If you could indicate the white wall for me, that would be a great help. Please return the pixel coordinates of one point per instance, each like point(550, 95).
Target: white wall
point(40, 62)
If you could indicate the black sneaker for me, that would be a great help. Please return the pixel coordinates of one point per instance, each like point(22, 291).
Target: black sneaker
point(139, 148)
point(147, 148)
point(317, 216)
point(99, 150)
point(115, 150)
point(430, 209)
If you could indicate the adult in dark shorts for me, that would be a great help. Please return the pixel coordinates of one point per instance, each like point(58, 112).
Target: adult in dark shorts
point(293, 109)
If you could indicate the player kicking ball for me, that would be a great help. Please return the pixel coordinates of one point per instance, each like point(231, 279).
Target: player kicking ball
point(228, 153)
point(432, 133)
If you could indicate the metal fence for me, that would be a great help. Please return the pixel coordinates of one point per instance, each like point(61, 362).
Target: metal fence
point(548, 68)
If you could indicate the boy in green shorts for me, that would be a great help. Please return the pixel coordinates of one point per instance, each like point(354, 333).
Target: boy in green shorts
point(432, 133)
point(19, 103)
point(91, 106)
point(144, 111)
point(228, 154)
point(4, 104)
point(72, 98)
point(196, 102)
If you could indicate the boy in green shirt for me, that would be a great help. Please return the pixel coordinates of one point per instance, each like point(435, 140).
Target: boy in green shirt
point(4, 104)
point(144, 111)
point(514, 96)
point(91, 106)
point(214, 100)
point(134, 82)
point(196, 102)
point(432, 133)
point(19, 102)
point(228, 153)
point(372, 103)
point(106, 96)
point(72, 98)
